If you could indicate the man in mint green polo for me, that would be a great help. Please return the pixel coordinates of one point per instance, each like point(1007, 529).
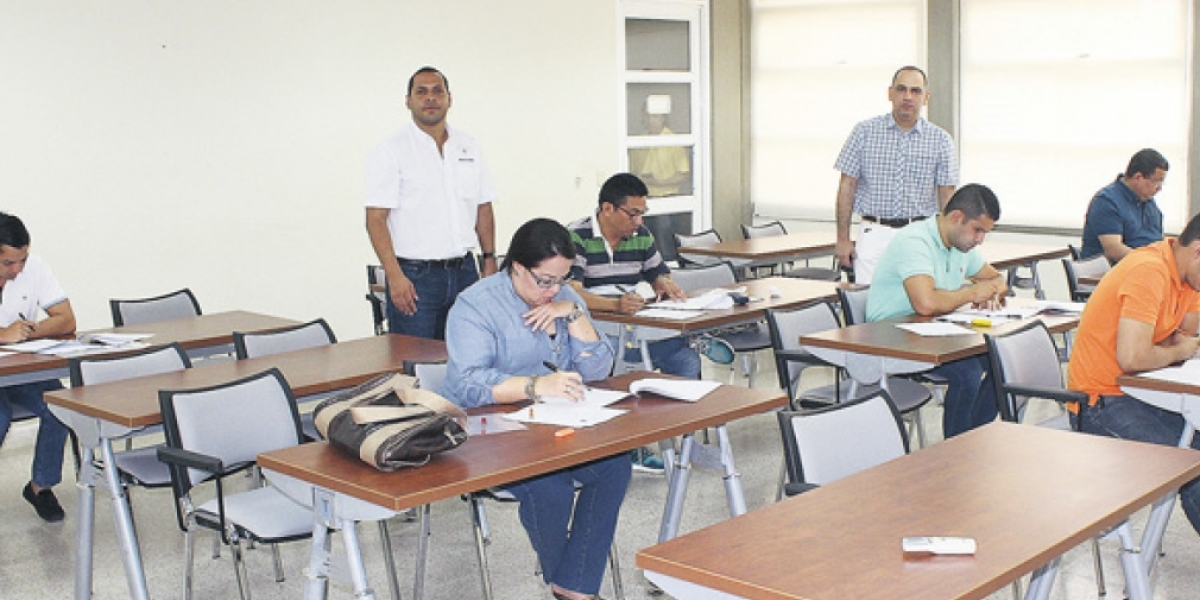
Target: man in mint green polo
point(931, 268)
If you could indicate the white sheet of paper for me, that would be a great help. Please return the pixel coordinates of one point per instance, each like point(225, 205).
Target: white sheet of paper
point(113, 339)
point(967, 319)
point(669, 314)
point(577, 416)
point(1060, 306)
point(1188, 372)
point(593, 397)
point(935, 328)
point(33, 345)
point(688, 390)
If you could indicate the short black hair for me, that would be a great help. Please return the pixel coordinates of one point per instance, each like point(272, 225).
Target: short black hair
point(12, 231)
point(974, 200)
point(427, 69)
point(621, 186)
point(1146, 162)
point(537, 240)
point(1191, 233)
point(924, 79)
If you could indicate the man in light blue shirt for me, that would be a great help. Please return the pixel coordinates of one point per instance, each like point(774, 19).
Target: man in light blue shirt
point(932, 268)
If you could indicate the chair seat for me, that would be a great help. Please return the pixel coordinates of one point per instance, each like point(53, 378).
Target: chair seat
point(143, 467)
point(264, 513)
point(906, 394)
point(749, 340)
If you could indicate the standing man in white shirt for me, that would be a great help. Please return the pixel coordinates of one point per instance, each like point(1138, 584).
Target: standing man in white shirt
point(896, 168)
point(429, 201)
point(27, 288)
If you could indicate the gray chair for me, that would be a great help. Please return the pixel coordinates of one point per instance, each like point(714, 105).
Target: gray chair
point(746, 340)
point(1024, 366)
point(175, 305)
point(252, 344)
point(775, 228)
point(908, 398)
point(1095, 266)
point(826, 444)
point(217, 431)
point(139, 466)
point(708, 237)
point(792, 359)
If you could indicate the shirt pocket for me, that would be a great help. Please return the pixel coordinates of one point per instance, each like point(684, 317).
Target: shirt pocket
point(467, 183)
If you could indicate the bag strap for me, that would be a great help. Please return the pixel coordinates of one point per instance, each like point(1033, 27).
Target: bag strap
point(416, 403)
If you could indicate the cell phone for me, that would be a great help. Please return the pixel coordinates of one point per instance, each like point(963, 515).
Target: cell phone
point(938, 545)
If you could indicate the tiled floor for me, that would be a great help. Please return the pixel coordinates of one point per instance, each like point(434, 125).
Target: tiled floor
point(37, 560)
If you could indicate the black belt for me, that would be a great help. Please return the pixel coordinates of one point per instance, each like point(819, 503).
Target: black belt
point(893, 223)
point(442, 263)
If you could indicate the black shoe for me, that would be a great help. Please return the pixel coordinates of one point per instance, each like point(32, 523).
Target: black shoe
point(45, 503)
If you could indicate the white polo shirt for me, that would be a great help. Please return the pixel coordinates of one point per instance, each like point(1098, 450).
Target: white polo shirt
point(35, 288)
point(434, 199)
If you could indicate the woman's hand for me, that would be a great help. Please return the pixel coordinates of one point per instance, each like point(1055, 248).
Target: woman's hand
point(542, 317)
point(566, 384)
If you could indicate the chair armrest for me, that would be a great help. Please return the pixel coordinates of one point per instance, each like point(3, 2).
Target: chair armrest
point(1056, 394)
point(800, 356)
point(189, 459)
point(795, 489)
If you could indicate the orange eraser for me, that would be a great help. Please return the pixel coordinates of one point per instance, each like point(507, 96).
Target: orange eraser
point(562, 433)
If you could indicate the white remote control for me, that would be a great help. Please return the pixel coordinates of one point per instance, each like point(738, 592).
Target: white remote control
point(939, 545)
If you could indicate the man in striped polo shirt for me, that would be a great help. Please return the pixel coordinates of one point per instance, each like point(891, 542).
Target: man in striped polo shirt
point(614, 248)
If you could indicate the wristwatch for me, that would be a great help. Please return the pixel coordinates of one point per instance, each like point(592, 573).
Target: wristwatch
point(530, 389)
point(576, 312)
point(487, 255)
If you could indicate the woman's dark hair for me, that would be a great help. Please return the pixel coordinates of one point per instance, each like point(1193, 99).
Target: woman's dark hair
point(536, 241)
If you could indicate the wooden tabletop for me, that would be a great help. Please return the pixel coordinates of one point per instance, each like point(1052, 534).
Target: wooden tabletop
point(1004, 255)
point(134, 402)
point(776, 246)
point(995, 484)
point(193, 332)
point(793, 292)
point(883, 338)
point(491, 460)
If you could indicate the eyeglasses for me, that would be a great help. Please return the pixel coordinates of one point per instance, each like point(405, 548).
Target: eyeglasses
point(632, 214)
point(546, 283)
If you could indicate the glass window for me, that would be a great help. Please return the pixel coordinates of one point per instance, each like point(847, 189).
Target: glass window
point(656, 45)
point(666, 170)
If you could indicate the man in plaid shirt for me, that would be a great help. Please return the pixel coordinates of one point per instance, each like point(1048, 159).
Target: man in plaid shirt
point(896, 168)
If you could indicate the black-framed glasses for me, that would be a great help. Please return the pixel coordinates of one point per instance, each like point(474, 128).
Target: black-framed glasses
point(632, 214)
point(546, 282)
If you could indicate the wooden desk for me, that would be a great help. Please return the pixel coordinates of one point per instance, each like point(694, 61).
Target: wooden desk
point(100, 413)
point(1008, 256)
point(769, 250)
point(346, 490)
point(868, 351)
point(842, 541)
point(200, 336)
point(641, 330)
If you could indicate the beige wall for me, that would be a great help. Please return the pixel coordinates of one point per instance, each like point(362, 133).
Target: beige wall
point(219, 145)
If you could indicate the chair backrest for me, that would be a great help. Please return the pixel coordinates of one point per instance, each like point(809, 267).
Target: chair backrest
point(250, 344)
point(786, 326)
point(377, 299)
point(704, 238)
point(854, 304)
point(692, 279)
point(430, 375)
point(1025, 356)
point(176, 305)
point(1074, 250)
point(827, 444)
point(1095, 266)
point(766, 230)
point(233, 421)
point(92, 370)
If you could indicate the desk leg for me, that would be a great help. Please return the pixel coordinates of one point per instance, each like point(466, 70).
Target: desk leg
point(422, 553)
point(1156, 526)
point(317, 587)
point(358, 571)
point(1137, 580)
point(733, 480)
point(677, 490)
point(86, 515)
point(126, 537)
point(1042, 580)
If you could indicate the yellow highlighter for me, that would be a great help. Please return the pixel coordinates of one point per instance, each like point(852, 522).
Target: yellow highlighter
point(981, 322)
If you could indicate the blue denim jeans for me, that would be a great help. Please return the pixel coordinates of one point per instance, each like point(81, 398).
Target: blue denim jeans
point(1128, 418)
point(673, 356)
point(436, 287)
point(970, 397)
point(52, 434)
point(572, 535)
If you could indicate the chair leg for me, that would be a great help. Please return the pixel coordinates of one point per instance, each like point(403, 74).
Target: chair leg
point(275, 558)
point(614, 567)
point(480, 522)
point(1101, 590)
point(239, 567)
point(782, 479)
point(189, 552)
point(389, 561)
point(422, 553)
point(216, 553)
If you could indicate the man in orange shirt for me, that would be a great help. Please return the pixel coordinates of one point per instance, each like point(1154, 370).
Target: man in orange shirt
point(1144, 315)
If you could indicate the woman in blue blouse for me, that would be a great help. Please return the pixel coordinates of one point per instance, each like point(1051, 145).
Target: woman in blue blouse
point(500, 335)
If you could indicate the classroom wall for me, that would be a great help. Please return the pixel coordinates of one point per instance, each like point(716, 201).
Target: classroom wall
point(219, 145)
